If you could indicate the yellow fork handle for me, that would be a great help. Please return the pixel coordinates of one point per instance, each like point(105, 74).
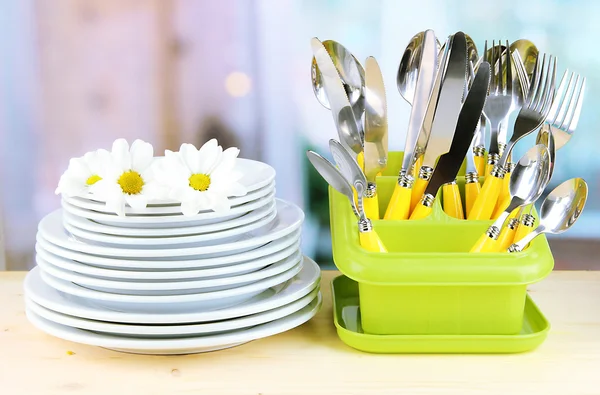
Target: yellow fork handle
point(480, 163)
point(501, 205)
point(505, 239)
point(452, 201)
point(370, 241)
point(486, 201)
point(420, 212)
point(399, 205)
point(484, 244)
point(371, 207)
point(472, 190)
point(418, 190)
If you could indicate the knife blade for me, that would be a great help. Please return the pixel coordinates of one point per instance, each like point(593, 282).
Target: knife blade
point(446, 111)
point(450, 163)
point(376, 128)
point(343, 115)
point(425, 82)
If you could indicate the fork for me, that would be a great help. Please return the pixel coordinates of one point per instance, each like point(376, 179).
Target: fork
point(531, 116)
point(500, 101)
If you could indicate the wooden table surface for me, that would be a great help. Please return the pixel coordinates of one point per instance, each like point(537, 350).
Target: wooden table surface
point(311, 359)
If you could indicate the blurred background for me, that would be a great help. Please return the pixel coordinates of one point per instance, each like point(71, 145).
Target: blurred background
point(77, 74)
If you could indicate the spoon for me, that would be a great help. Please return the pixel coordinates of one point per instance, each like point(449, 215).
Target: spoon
point(559, 212)
point(367, 237)
point(408, 70)
point(351, 73)
point(529, 53)
point(527, 182)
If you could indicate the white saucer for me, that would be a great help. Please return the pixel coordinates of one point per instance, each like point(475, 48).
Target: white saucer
point(88, 204)
point(300, 285)
point(186, 345)
point(168, 221)
point(169, 287)
point(225, 236)
point(161, 331)
point(172, 263)
point(289, 218)
point(163, 303)
point(256, 175)
point(92, 226)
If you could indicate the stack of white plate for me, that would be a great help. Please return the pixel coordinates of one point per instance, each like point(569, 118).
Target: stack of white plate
point(158, 282)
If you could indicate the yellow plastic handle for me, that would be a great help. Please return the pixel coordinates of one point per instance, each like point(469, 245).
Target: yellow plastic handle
point(472, 190)
point(488, 170)
point(480, 164)
point(522, 231)
point(417, 167)
point(486, 201)
point(360, 159)
point(505, 239)
point(370, 241)
point(371, 206)
point(399, 205)
point(501, 205)
point(452, 201)
point(418, 190)
point(484, 244)
point(420, 212)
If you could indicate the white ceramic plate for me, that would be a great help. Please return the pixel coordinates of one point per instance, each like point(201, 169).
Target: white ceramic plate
point(256, 175)
point(225, 236)
point(88, 204)
point(170, 287)
point(289, 218)
point(172, 263)
point(160, 331)
point(186, 345)
point(168, 221)
point(164, 303)
point(92, 226)
point(300, 285)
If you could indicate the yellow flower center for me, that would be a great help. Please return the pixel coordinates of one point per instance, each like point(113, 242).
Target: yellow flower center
point(200, 182)
point(93, 179)
point(131, 182)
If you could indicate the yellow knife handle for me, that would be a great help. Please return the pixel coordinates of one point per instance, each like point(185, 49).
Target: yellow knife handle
point(418, 190)
point(525, 227)
point(507, 235)
point(370, 240)
point(360, 159)
point(417, 167)
point(485, 244)
point(472, 190)
point(371, 206)
point(480, 164)
point(452, 201)
point(399, 205)
point(421, 211)
point(486, 201)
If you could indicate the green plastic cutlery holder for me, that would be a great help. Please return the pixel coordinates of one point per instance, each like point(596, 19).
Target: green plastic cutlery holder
point(428, 282)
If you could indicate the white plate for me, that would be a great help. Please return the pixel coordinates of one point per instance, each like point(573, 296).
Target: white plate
point(289, 218)
point(172, 263)
point(160, 331)
point(88, 204)
point(172, 287)
point(168, 221)
point(43, 294)
point(164, 303)
point(186, 345)
point(92, 226)
point(225, 236)
point(256, 175)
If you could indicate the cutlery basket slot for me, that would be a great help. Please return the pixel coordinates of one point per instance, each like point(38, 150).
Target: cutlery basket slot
point(428, 282)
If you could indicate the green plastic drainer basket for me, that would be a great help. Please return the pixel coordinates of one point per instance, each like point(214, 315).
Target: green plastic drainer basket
point(428, 282)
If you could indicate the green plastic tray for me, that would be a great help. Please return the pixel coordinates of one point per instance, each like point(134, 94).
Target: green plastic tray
point(428, 282)
point(346, 316)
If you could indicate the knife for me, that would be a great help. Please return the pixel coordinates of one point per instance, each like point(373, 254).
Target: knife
point(399, 205)
point(376, 134)
point(442, 114)
point(450, 162)
point(343, 115)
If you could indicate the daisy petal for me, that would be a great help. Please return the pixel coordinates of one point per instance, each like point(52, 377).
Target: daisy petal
point(189, 208)
point(221, 204)
point(208, 155)
point(189, 156)
point(142, 155)
point(120, 154)
point(116, 204)
point(138, 201)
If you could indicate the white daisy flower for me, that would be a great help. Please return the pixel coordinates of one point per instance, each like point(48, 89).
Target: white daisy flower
point(129, 178)
point(83, 173)
point(201, 179)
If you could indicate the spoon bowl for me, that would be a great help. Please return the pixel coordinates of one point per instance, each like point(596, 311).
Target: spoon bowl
point(408, 70)
point(563, 206)
point(530, 177)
